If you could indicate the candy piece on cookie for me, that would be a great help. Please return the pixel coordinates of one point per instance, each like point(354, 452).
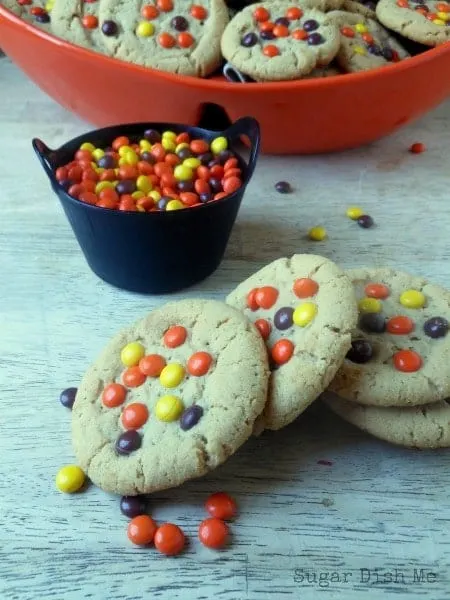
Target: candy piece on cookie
point(35, 12)
point(364, 43)
point(170, 397)
point(426, 22)
point(423, 427)
point(361, 7)
point(78, 22)
point(169, 35)
point(401, 346)
point(304, 308)
point(279, 40)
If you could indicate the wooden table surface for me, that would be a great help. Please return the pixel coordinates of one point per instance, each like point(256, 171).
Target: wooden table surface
point(371, 523)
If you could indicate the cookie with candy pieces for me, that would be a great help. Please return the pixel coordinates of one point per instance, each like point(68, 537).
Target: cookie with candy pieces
point(77, 21)
point(170, 397)
point(365, 44)
point(424, 21)
point(35, 12)
point(169, 35)
point(423, 427)
point(401, 348)
point(361, 7)
point(304, 308)
point(279, 40)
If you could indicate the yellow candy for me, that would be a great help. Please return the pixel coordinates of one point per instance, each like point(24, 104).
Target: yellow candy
point(304, 313)
point(132, 353)
point(317, 234)
point(140, 208)
point(70, 479)
point(192, 163)
point(412, 299)
point(155, 195)
point(87, 146)
point(438, 21)
point(122, 161)
point(168, 408)
point(168, 144)
point(219, 144)
point(172, 375)
point(144, 184)
point(98, 153)
point(359, 50)
point(138, 195)
point(131, 157)
point(183, 173)
point(354, 212)
point(124, 149)
point(361, 28)
point(174, 205)
point(444, 16)
point(49, 6)
point(180, 146)
point(99, 170)
point(145, 29)
point(145, 145)
point(103, 185)
point(369, 305)
point(171, 135)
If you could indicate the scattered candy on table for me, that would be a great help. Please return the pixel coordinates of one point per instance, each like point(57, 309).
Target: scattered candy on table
point(317, 234)
point(159, 172)
point(283, 187)
point(354, 212)
point(417, 148)
point(67, 397)
point(133, 506)
point(365, 221)
point(221, 506)
point(70, 479)
point(213, 533)
point(169, 539)
point(141, 530)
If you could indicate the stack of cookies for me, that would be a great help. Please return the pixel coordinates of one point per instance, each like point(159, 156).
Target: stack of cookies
point(270, 41)
point(174, 395)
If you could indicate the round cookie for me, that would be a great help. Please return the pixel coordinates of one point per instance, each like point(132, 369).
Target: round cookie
point(305, 309)
point(363, 7)
point(364, 43)
point(426, 22)
point(415, 427)
point(77, 21)
point(401, 347)
point(35, 12)
point(137, 429)
point(169, 35)
point(279, 40)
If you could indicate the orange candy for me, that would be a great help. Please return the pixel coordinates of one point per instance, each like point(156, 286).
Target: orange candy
point(169, 539)
point(270, 51)
point(199, 146)
point(133, 377)
point(231, 163)
point(128, 172)
point(282, 351)
point(172, 160)
point(182, 138)
point(231, 184)
point(199, 364)
point(377, 290)
point(185, 40)
point(266, 296)
point(367, 38)
point(198, 12)
point(266, 26)
point(213, 533)
point(403, 3)
point(281, 31)
point(443, 7)
point(348, 32)
point(407, 361)
point(149, 12)
point(294, 13)
point(114, 395)
point(263, 327)
point(164, 5)
point(141, 530)
point(88, 197)
point(175, 336)
point(261, 14)
point(108, 203)
point(134, 415)
point(305, 288)
point(299, 34)
point(417, 148)
point(400, 325)
point(189, 198)
point(251, 299)
point(152, 365)
point(201, 186)
point(89, 21)
point(166, 41)
point(119, 142)
point(221, 506)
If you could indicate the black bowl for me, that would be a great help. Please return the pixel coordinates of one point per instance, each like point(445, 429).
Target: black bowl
point(157, 252)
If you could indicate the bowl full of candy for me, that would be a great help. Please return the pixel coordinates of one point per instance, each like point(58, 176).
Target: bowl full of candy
point(318, 75)
point(152, 205)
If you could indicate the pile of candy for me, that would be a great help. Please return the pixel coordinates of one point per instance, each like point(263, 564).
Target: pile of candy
point(160, 172)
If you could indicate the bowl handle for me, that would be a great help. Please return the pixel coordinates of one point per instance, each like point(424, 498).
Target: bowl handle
point(44, 155)
point(250, 127)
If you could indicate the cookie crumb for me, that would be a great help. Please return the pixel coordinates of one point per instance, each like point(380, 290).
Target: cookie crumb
point(417, 148)
point(327, 502)
point(326, 463)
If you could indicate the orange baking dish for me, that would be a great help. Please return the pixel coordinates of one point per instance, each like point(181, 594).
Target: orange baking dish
point(296, 117)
